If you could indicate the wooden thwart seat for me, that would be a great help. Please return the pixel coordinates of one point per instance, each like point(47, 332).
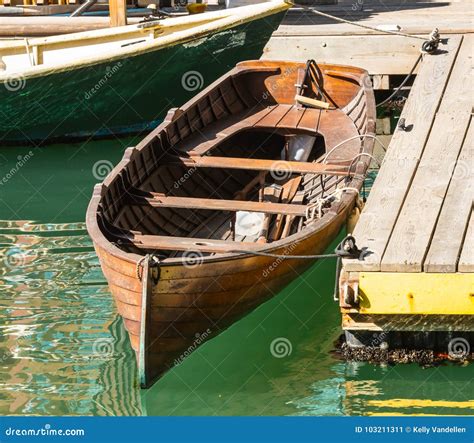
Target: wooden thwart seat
point(160, 242)
point(263, 165)
point(162, 201)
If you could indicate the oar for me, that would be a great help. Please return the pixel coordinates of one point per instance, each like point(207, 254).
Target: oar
point(298, 199)
point(271, 194)
point(290, 188)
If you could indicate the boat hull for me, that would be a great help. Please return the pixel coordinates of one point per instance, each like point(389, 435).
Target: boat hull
point(179, 269)
point(114, 97)
point(195, 301)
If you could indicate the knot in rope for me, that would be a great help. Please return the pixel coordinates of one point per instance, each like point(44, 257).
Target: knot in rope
point(317, 206)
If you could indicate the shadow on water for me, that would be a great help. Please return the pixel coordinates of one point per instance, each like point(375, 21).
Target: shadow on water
point(63, 350)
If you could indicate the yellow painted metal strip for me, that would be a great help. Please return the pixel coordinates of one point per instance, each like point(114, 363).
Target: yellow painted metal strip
point(420, 403)
point(416, 293)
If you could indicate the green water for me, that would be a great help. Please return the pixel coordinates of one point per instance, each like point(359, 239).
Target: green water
point(63, 350)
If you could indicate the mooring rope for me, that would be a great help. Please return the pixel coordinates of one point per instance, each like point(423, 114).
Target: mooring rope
point(402, 84)
point(139, 267)
point(361, 154)
point(349, 139)
point(318, 204)
point(429, 45)
point(372, 28)
point(28, 53)
point(346, 249)
point(282, 256)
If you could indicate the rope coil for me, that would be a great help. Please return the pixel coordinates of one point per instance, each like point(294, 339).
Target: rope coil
point(318, 205)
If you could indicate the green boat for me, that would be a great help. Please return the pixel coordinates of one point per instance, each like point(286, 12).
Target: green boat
point(122, 80)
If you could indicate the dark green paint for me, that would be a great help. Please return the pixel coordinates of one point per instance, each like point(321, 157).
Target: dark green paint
point(125, 95)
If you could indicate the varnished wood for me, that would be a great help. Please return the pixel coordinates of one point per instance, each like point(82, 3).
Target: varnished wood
point(175, 194)
point(220, 205)
point(190, 244)
point(264, 165)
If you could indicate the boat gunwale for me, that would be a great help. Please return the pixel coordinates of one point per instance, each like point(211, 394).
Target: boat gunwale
point(309, 231)
point(214, 26)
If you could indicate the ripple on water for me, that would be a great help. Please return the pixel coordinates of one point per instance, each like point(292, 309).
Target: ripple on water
point(62, 346)
point(63, 350)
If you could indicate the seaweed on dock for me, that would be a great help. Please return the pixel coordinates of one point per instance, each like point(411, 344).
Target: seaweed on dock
point(379, 355)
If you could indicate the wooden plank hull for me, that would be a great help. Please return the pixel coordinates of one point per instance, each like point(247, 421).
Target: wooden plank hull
point(75, 103)
point(194, 303)
point(173, 297)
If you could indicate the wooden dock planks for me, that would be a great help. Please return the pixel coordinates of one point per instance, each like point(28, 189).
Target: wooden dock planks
point(449, 235)
point(466, 261)
point(400, 164)
point(414, 227)
point(303, 35)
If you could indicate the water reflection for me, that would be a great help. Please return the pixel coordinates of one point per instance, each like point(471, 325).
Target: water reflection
point(365, 389)
point(63, 350)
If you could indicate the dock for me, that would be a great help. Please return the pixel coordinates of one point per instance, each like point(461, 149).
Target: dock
point(418, 226)
point(414, 287)
point(304, 35)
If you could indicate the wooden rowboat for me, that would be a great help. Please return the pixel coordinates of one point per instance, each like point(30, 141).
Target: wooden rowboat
point(99, 83)
point(182, 224)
